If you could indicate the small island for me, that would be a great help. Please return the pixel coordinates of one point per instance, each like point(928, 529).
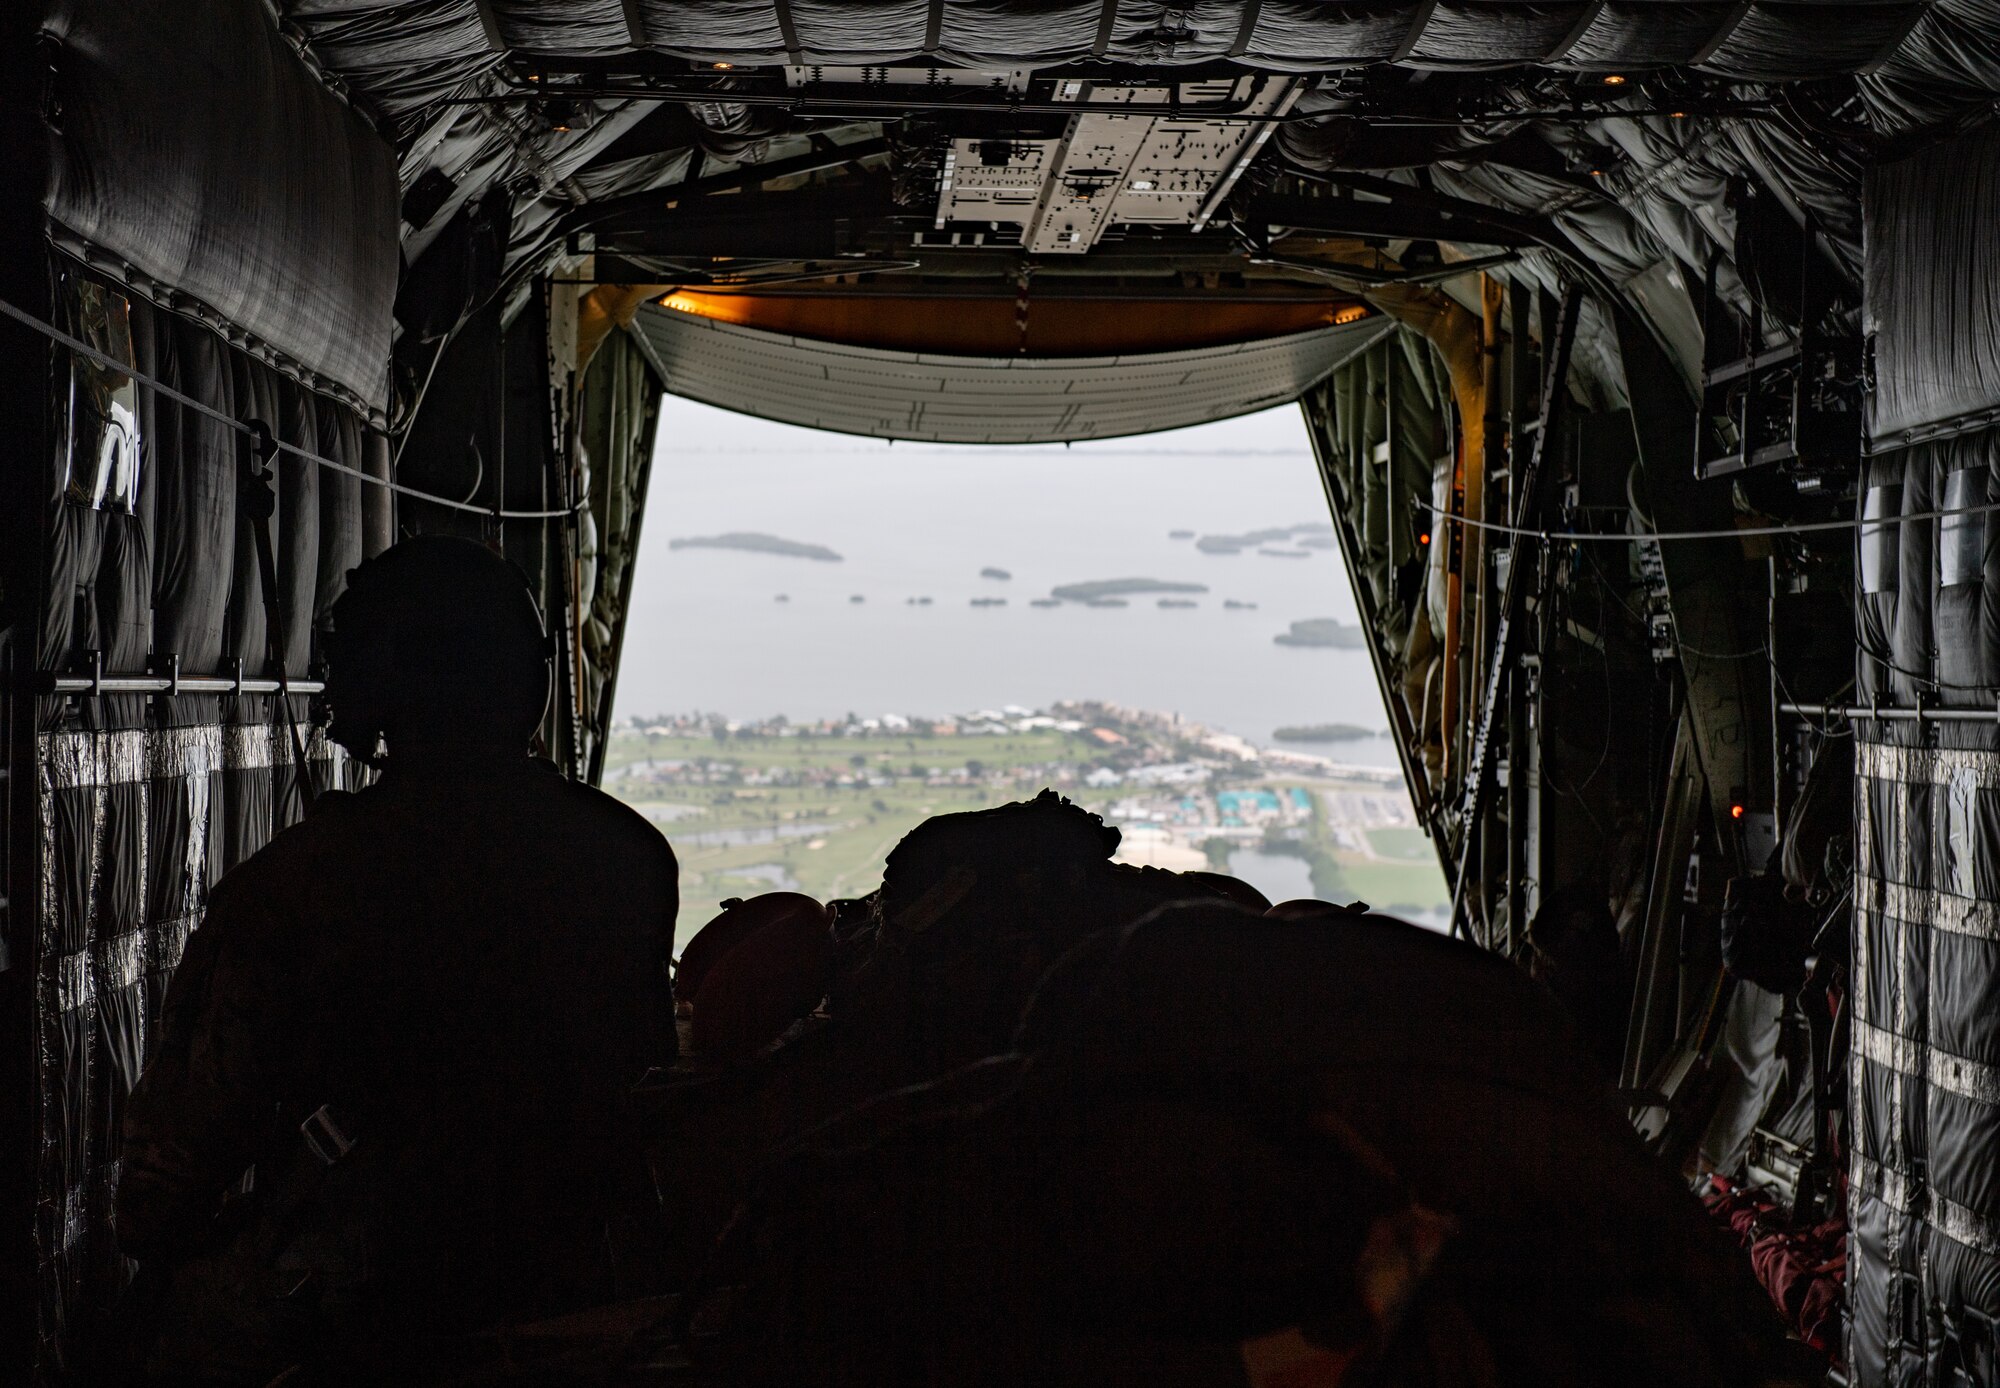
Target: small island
point(1001, 575)
point(1284, 554)
point(1045, 602)
point(1325, 732)
point(989, 602)
point(1325, 632)
point(1180, 534)
point(1121, 588)
point(1238, 605)
point(1307, 536)
point(1178, 602)
point(752, 542)
point(1105, 602)
point(857, 598)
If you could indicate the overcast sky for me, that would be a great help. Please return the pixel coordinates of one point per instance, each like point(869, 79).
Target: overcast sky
point(708, 631)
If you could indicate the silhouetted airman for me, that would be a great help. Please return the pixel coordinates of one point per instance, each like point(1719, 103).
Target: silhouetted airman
point(415, 1017)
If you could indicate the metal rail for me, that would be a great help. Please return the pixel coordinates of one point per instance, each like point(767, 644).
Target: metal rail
point(1877, 714)
point(169, 685)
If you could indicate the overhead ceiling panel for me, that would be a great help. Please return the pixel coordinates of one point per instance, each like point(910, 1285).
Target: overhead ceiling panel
point(279, 231)
point(989, 400)
point(1294, 36)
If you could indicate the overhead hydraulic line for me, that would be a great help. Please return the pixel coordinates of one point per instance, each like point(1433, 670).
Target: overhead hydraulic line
point(656, 201)
point(249, 429)
point(1417, 217)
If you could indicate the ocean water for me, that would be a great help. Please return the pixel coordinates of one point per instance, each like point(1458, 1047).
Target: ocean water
point(707, 632)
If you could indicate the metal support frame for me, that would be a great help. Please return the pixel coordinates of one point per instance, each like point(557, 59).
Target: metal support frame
point(1485, 500)
point(608, 697)
point(1523, 753)
point(1403, 735)
point(1528, 489)
point(1718, 603)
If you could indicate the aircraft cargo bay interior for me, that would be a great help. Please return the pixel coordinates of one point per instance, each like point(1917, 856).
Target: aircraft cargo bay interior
point(1587, 978)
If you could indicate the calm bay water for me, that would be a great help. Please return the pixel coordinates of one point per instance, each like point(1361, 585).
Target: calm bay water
point(707, 632)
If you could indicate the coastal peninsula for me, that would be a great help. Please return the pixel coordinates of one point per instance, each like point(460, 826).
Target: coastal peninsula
point(1324, 732)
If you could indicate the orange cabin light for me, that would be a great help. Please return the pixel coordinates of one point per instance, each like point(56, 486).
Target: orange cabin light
point(1736, 812)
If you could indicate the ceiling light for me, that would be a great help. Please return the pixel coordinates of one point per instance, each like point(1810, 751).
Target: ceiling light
point(730, 67)
point(1614, 80)
point(1353, 313)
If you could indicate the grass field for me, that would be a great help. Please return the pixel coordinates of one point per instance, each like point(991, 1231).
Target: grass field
point(1388, 885)
point(1410, 845)
point(747, 815)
